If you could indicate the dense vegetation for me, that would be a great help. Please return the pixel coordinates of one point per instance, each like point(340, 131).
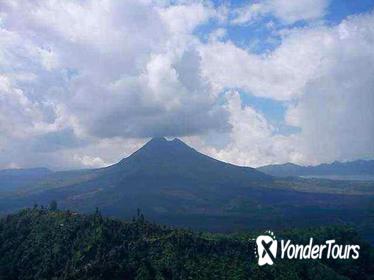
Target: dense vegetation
point(44, 243)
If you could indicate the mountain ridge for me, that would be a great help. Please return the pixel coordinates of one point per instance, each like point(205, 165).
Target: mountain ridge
point(356, 167)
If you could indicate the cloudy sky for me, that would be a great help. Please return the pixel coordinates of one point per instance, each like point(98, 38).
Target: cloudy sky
point(85, 83)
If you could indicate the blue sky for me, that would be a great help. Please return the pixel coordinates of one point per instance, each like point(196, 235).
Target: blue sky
point(85, 83)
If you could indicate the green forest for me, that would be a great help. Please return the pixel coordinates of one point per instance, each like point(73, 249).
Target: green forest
point(47, 243)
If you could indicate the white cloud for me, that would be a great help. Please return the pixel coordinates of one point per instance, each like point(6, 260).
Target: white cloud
point(335, 112)
point(79, 80)
point(186, 17)
point(287, 11)
point(247, 13)
point(90, 162)
point(277, 75)
point(291, 11)
point(101, 70)
point(324, 73)
point(217, 34)
point(252, 140)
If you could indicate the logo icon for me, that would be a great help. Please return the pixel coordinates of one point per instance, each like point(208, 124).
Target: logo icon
point(267, 247)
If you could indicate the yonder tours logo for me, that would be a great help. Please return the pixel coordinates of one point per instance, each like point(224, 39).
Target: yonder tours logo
point(268, 249)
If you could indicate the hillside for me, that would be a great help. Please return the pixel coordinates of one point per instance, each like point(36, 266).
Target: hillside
point(43, 244)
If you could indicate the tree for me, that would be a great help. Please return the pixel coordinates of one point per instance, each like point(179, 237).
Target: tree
point(53, 205)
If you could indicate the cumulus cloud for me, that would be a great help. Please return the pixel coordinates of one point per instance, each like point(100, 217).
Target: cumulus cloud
point(185, 18)
point(277, 75)
point(295, 10)
point(84, 83)
point(335, 111)
point(102, 69)
point(324, 74)
point(252, 141)
point(286, 11)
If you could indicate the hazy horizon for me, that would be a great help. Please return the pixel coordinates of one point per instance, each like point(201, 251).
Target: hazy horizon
point(349, 177)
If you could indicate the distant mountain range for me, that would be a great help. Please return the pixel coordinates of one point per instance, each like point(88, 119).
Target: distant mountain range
point(175, 184)
point(359, 168)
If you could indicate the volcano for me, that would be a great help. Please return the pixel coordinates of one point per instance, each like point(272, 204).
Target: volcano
point(174, 184)
point(174, 160)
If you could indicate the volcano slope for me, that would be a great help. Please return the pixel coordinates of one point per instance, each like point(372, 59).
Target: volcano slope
point(174, 184)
